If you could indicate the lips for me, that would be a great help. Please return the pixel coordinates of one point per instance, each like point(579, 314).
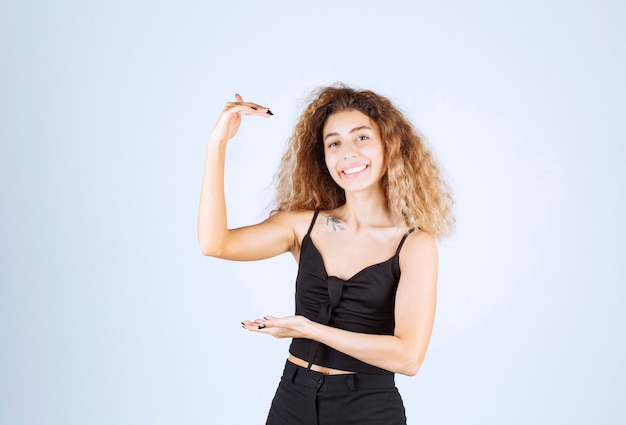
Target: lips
point(354, 169)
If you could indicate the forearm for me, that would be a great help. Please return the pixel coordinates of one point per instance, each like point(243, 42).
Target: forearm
point(213, 232)
point(212, 219)
point(389, 352)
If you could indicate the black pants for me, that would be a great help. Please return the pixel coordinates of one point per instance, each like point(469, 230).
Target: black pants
point(305, 397)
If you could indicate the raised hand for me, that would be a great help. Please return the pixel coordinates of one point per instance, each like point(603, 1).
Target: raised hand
point(229, 120)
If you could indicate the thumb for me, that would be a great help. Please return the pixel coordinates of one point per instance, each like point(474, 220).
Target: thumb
point(238, 98)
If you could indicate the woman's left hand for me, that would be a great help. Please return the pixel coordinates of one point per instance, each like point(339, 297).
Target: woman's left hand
point(283, 327)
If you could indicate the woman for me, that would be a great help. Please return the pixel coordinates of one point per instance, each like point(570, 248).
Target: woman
point(359, 203)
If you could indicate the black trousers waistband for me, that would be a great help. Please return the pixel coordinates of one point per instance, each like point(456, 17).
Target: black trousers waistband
point(352, 381)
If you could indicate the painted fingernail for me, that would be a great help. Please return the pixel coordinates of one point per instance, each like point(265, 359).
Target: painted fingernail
point(264, 317)
point(253, 108)
point(270, 112)
point(262, 326)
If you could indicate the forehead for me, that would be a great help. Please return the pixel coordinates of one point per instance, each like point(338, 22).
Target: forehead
point(344, 121)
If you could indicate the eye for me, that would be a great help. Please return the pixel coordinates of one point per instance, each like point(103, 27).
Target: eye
point(332, 144)
point(362, 138)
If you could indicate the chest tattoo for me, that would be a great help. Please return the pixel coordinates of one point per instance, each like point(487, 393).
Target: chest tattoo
point(335, 223)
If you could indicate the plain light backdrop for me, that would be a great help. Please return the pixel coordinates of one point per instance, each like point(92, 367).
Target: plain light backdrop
point(109, 314)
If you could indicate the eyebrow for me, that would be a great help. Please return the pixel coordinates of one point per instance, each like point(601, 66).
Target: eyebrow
point(355, 129)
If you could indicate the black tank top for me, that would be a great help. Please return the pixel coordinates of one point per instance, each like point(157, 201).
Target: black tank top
point(364, 303)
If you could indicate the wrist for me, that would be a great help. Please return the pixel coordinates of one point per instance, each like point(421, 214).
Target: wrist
point(219, 143)
point(308, 328)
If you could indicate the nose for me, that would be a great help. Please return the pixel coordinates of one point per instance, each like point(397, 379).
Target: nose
point(349, 152)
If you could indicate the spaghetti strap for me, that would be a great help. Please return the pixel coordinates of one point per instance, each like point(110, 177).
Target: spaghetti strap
point(312, 222)
point(403, 239)
point(314, 344)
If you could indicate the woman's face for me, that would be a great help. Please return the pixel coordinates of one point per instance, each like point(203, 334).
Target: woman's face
point(353, 150)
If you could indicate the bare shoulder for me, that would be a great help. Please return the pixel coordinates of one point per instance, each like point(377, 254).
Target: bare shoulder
point(419, 246)
point(419, 265)
point(298, 220)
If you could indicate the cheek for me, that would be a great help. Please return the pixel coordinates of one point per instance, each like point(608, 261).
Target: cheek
point(330, 162)
point(382, 163)
point(377, 154)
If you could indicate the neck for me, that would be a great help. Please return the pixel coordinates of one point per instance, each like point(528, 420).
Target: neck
point(364, 209)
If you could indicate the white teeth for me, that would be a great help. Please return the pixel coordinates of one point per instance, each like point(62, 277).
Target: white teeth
point(354, 170)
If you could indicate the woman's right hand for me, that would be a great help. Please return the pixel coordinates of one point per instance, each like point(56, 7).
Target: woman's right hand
point(229, 120)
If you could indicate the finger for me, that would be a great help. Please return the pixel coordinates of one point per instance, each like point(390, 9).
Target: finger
point(258, 109)
point(249, 324)
point(249, 108)
point(261, 323)
point(265, 319)
point(263, 110)
point(239, 100)
point(253, 326)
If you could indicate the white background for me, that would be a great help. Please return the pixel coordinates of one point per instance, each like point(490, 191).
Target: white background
point(110, 315)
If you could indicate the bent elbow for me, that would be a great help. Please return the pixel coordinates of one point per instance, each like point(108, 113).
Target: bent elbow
point(410, 371)
point(206, 252)
point(208, 249)
point(410, 367)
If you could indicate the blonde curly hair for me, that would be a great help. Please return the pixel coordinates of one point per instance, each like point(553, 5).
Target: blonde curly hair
point(416, 194)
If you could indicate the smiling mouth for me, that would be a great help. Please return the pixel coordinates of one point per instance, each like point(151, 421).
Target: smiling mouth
point(354, 170)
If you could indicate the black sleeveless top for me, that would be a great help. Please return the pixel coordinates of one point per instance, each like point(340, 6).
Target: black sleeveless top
point(364, 303)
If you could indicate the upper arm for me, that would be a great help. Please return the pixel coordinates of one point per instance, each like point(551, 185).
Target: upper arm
point(271, 237)
point(417, 294)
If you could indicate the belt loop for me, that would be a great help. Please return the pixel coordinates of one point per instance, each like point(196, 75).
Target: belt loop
point(352, 382)
point(294, 372)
